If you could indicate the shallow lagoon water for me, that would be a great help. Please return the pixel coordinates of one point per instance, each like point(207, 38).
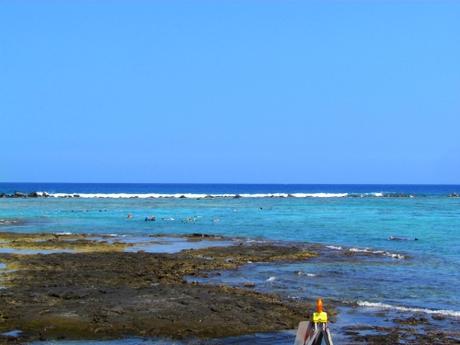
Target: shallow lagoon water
point(8, 250)
point(170, 245)
point(344, 280)
point(429, 277)
point(163, 244)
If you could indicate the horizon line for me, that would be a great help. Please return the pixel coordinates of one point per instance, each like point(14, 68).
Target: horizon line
point(242, 183)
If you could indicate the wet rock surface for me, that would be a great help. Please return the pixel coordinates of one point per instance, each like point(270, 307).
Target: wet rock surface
point(374, 335)
point(95, 293)
point(111, 294)
point(46, 241)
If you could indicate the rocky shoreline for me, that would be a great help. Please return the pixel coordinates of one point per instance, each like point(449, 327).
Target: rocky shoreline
point(100, 291)
point(105, 294)
point(412, 330)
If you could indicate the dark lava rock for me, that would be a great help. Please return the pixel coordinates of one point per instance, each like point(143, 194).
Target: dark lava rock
point(19, 195)
point(438, 317)
point(200, 235)
point(98, 295)
point(408, 334)
point(413, 320)
point(397, 195)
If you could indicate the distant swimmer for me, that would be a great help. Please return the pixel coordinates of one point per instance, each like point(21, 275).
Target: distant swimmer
point(150, 219)
point(169, 219)
point(189, 220)
point(130, 216)
point(401, 238)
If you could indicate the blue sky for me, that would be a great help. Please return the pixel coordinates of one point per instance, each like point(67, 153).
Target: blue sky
point(230, 91)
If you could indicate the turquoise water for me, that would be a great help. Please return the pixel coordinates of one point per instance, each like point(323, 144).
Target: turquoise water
point(427, 278)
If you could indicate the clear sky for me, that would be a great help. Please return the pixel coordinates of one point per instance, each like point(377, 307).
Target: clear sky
point(230, 91)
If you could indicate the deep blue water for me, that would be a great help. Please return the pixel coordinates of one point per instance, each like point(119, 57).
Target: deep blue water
point(225, 188)
point(427, 278)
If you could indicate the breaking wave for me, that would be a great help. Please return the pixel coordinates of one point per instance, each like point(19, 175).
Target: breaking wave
point(377, 252)
point(379, 305)
point(334, 247)
point(224, 195)
point(368, 251)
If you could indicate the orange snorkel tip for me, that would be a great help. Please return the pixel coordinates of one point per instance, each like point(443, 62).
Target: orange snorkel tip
point(319, 305)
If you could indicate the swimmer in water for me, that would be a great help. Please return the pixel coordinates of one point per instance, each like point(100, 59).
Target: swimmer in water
point(397, 238)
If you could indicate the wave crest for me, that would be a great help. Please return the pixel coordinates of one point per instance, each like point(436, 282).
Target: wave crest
point(377, 252)
point(219, 195)
point(368, 251)
point(379, 305)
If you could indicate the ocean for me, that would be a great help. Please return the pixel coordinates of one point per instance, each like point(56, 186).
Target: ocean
point(412, 232)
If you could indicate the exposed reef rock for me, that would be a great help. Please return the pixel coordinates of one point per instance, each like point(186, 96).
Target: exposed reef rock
point(47, 241)
point(111, 294)
point(412, 333)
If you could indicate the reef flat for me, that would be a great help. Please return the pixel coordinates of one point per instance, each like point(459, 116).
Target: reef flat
point(113, 294)
point(56, 242)
point(101, 287)
point(412, 330)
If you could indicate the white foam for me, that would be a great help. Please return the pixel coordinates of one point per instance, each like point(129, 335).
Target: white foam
point(379, 305)
point(169, 219)
point(261, 195)
point(126, 195)
point(255, 241)
point(319, 195)
point(334, 247)
point(190, 195)
point(377, 252)
point(63, 233)
point(271, 279)
point(220, 195)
